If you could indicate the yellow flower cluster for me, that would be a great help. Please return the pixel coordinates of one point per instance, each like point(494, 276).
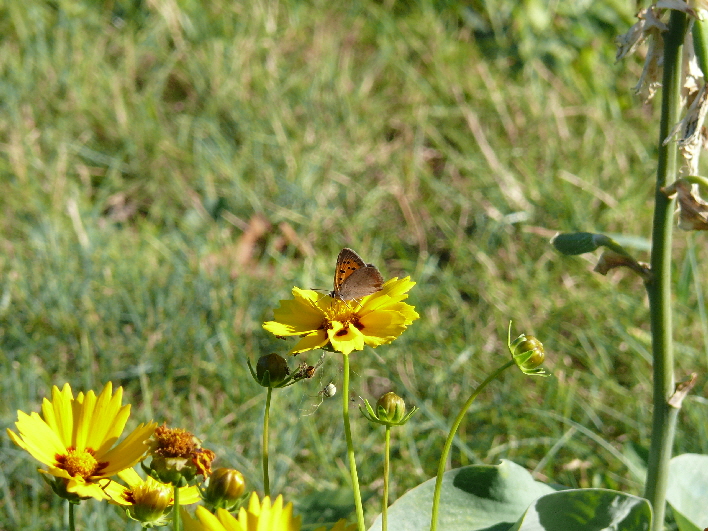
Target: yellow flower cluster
point(75, 439)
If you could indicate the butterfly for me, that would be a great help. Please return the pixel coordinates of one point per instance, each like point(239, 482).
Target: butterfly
point(354, 278)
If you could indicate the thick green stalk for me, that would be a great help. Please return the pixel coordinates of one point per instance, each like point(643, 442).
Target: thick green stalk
point(350, 445)
point(451, 437)
point(175, 509)
point(387, 458)
point(72, 522)
point(266, 417)
point(659, 286)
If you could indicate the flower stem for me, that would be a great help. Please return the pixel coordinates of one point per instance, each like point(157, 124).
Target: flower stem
point(175, 509)
point(350, 445)
point(72, 523)
point(451, 437)
point(266, 417)
point(659, 286)
point(387, 459)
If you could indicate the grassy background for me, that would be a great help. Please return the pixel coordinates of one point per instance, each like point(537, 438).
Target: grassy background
point(171, 169)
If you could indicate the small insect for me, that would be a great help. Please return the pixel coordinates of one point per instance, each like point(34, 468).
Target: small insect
point(354, 278)
point(304, 370)
point(328, 391)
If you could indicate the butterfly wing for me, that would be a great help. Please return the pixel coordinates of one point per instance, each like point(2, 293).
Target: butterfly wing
point(347, 262)
point(362, 282)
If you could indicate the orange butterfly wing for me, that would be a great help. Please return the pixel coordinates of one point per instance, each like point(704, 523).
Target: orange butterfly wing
point(354, 278)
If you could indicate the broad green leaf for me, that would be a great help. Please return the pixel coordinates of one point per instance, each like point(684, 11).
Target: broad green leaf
point(586, 510)
point(478, 497)
point(687, 491)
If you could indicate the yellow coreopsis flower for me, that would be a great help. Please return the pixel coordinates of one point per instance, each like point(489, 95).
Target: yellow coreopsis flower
point(259, 516)
point(323, 321)
point(75, 438)
point(147, 500)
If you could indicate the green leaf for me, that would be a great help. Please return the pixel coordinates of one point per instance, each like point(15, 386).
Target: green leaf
point(586, 510)
point(478, 497)
point(687, 491)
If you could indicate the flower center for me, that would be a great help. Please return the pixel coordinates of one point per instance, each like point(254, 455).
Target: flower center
point(79, 463)
point(344, 312)
point(174, 442)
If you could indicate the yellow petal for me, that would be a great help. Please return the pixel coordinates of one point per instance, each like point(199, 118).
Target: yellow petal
point(131, 477)
point(299, 315)
point(79, 486)
point(83, 408)
point(205, 521)
point(58, 414)
point(107, 420)
point(345, 340)
point(130, 451)
point(116, 492)
point(312, 341)
point(189, 495)
point(228, 521)
point(37, 438)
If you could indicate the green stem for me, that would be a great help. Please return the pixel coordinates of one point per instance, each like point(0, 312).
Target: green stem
point(699, 43)
point(175, 509)
point(451, 437)
point(72, 522)
point(659, 286)
point(266, 416)
point(387, 461)
point(350, 445)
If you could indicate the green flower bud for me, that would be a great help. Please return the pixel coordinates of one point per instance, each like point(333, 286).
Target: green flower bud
point(390, 410)
point(225, 489)
point(531, 349)
point(528, 354)
point(272, 370)
point(390, 407)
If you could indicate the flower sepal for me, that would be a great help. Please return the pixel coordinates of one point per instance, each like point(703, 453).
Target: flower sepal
point(175, 471)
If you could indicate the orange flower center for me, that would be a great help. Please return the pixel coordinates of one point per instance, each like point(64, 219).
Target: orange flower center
point(79, 463)
point(174, 442)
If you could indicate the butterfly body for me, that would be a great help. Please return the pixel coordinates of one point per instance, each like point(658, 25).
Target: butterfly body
point(354, 278)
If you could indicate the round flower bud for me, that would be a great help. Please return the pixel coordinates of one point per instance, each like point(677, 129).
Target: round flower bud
point(226, 486)
point(271, 370)
point(150, 503)
point(390, 407)
point(530, 350)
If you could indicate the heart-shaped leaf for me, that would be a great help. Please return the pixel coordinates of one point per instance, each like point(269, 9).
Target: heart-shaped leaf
point(474, 498)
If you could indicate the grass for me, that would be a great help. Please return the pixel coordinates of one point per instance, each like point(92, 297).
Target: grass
point(170, 171)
